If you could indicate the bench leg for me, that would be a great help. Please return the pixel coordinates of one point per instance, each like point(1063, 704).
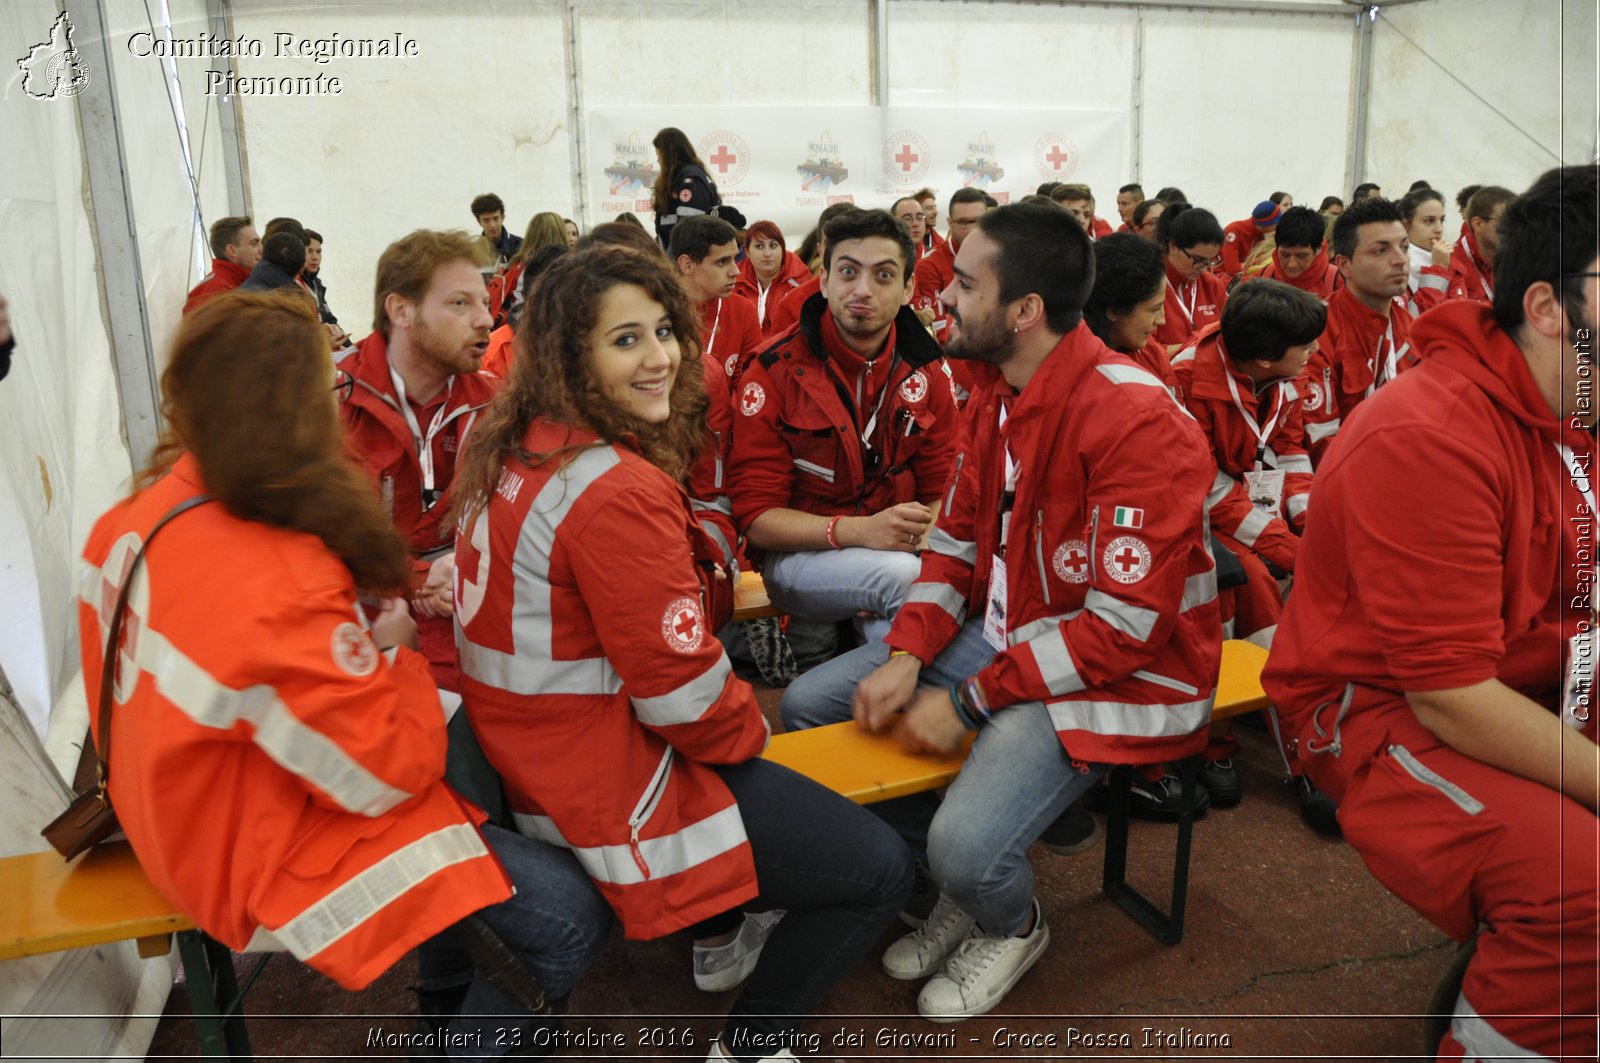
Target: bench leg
point(214, 997)
point(1166, 927)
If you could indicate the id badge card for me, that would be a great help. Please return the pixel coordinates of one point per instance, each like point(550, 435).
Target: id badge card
point(1265, 487)
point(1578, 692)
point(994, 611)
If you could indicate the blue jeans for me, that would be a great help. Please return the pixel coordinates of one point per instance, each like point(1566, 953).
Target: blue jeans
point(555, 923)
point(1015, 782)
point(839, 873)
point(831, 585)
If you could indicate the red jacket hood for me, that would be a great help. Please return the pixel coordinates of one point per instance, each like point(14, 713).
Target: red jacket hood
point(1463, 337)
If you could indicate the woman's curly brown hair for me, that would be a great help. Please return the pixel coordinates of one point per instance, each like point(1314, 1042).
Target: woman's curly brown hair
point(552, 377)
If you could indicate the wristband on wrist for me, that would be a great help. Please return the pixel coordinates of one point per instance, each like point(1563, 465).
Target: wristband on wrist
point(899, 653)
point(962, 714)
point(833, 540)
point(973, 694)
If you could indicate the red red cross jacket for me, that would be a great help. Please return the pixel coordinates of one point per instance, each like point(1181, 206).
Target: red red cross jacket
point(1319, 278)
point(224, 277)
point(730, 335)
point(797, 433)
point(383, 440)
point(1111, 591)
point(788, 311)
point(596, 685)
point(1429, 284)
point(792, 274)
point(1360, 350)
point(1439, 553)
point(1203, 373)
point(1239, 238)
point(1153, 358)
point(1191, 306)
point(279, 780)
point(1470, 276)
point(708, 476)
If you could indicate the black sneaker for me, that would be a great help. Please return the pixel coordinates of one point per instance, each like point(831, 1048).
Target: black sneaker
point(1316, 808)
point(924, 895)
point(1074, 831)
point(1222, 782)
point(1160, 799)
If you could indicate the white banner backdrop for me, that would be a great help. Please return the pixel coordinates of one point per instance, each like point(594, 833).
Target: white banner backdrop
point(786, 163)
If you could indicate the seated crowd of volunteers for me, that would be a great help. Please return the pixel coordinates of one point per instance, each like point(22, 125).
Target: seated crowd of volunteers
point(1020, 478)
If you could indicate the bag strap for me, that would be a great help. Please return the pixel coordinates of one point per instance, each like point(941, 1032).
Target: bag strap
point(102, 740)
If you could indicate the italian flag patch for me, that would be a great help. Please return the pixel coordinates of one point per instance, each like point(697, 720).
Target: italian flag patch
point(1124, 517)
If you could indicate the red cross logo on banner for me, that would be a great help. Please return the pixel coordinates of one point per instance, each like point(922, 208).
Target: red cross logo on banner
point(683, 626)
point(723, 159)
point(906, 158)
point(1055, 156)
point(1071, 561)
point(1127, 559)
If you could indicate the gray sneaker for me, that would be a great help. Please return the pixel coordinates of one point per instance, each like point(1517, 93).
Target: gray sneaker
point(923, 951)
point(725, 966)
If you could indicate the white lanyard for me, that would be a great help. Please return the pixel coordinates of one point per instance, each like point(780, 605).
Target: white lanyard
point(1473, 258)
point(1261, 434)
point(711, 341)
point(1580, 477)
point(883, 394)
point(1194, 297)
point(423, 443)
point(1012, 468)
point(1388, 365)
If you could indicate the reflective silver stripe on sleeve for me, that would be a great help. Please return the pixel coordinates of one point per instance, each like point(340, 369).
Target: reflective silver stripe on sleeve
point(942, 595)
point(1199, 589)
point(1127, 618)
point(1434, 281)
point(292, 743)
point(1482, 1041)
point(1129, 374)
point(1297, 505)
point(1250, 528)
point(1185, 355)
point(1295, 463)
point(1033, 627)
point(814, 469)
point(1130, 720)
point(1219, 489)
point(942, 542)
point(1054, 662)
point(722, 504)
point(364, 896)
point(688, 702)
point(1317, 431)
point(670, 854)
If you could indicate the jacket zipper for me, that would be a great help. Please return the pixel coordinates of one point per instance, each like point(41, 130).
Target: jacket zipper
point(1038, 553)
point(648, 803)
point(1094, 540)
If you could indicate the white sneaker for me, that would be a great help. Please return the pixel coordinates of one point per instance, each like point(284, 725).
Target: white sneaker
point(981, 972)
point(717, 1053)
point(920, 953)
point(725, 966)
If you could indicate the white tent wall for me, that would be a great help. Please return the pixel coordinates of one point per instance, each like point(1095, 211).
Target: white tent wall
point(1532, 61)
point(408, 142)
point(1221, 121)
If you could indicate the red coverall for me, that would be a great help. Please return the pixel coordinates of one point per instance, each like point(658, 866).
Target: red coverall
point(1444, 551)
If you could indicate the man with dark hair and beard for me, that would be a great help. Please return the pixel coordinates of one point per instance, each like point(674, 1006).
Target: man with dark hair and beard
point(1073, 533)
point(1436, 659)
point(411, 392)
